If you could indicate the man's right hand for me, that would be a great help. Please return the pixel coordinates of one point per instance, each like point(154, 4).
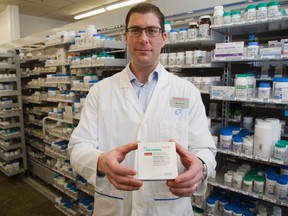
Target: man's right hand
point(120, 176)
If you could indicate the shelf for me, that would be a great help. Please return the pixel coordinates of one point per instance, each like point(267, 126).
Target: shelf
point(36, 59)
point(58, 100)
point(38, 145)
point(57, 65)
point(106, 63)
point(253, 28)
point(208, 65)
point(10, 105)
point(59, 82)
point(80, 89)
point(6, 55)
point(269, 104)
point(7, 66)
point(7, 159)
point(68, 121)
point(31, 101)
point(64, 174)
point(54, 154)
point(9, 113)
point(21, 170)
point(246, 59)
point(8, 79)
point(66, 212)
point(57, 134)
point(55, 45)
point(10, 136)
point(10, 126)
point(11, 147)
point(65, 192)
point(33, 74)
point(219, 182)
point(9, 93)
point(107, 45)
point(251, 157)
point(203, 42)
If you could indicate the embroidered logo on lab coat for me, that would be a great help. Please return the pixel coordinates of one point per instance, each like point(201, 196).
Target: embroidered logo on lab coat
point(178, 111)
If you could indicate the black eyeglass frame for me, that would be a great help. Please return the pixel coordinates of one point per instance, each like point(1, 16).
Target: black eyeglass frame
point(146, 31)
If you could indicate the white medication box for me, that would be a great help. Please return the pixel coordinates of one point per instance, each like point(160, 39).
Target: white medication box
point(157, 161)
point(222, 92)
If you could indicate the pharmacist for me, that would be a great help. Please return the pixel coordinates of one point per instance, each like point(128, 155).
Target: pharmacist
point(142, 103)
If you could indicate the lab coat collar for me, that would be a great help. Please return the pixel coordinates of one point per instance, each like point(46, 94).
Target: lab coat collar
point(163, 81)
point(125, 78)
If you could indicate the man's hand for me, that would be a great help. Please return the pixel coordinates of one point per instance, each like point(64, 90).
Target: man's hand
point(120, 176)
point(186, 183)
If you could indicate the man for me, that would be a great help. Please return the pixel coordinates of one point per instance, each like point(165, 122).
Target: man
point(141, 103)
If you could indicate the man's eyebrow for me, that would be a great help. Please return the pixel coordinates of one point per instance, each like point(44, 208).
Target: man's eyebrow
point(136, 26)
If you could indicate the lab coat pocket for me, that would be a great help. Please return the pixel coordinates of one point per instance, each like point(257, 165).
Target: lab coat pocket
point(170, 205)
point(108, 200)
point(174, 130)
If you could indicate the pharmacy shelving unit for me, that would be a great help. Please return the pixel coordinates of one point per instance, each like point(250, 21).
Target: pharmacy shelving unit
point(266, 30)
point(12, 141)
point(197, 70)
point(47, 132)
point(33, 75)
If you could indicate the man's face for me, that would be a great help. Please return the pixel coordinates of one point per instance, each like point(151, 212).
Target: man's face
point(144, 50)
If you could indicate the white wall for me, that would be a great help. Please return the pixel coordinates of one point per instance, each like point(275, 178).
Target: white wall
point(30, 25)
point(9, 24)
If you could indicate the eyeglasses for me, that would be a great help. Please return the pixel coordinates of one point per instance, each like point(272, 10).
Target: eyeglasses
point(150, 31)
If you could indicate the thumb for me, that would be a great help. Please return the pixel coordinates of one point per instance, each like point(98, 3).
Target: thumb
point(179, 149)
point(125, 149)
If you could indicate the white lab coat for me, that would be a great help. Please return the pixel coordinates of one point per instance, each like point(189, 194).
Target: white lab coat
point(112, 116)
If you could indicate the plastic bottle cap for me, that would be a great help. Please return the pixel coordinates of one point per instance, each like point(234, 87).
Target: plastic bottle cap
point(205, 17)
point(211, 200)
point(239, 139)
point(248, 178)
point(241, 75)
point(279, 79)
point(167, 22)
point(271, 177)
point(282, 143)
point(253, 44)
point(259, 178)
point(281, 181)
point(263, 4)
point(251, 6)
point(273, 3)
point(223, 200)
point(228, 13)
point(264, 85)
point(183, 29)
point(193, 24)
point(235, 12)
point(228, 207)
point(173, 30)
point(237, 210)
point(226, 131)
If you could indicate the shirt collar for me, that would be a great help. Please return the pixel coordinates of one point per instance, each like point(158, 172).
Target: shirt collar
point(155, 74)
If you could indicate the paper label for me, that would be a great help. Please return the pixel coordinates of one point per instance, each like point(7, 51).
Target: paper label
point(157, 161)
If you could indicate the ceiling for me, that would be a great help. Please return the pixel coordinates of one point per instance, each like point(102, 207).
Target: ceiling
point(55, 9)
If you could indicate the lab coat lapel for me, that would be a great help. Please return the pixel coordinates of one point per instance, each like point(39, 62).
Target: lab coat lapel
point(163, 82)
point(130, 92)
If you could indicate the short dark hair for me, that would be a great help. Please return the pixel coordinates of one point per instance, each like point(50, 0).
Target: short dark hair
point(144, 8)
